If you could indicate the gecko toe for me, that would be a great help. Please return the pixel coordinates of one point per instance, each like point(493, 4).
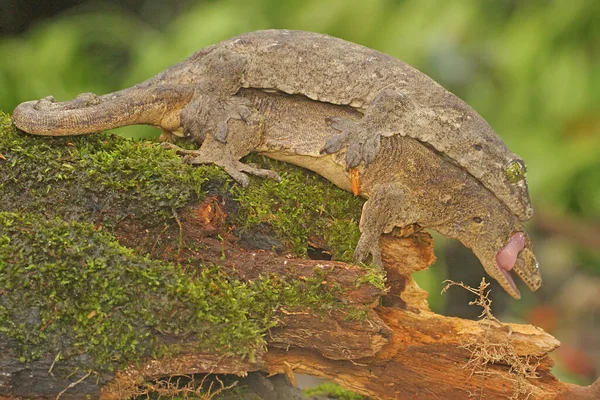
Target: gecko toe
point(241, 178)
point(362, 143)
point(361, 254)
point(341, 124)
point(370, 149)
point(263, 173)
point(334, 144)
point(353, 155)
point(212, 114)
point(222, 131)
point(242, 112)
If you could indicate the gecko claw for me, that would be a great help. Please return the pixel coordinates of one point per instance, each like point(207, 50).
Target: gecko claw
point(364, 248)
point(234, 108)
point(353, 155)
point(362, 145)
point(334, 144)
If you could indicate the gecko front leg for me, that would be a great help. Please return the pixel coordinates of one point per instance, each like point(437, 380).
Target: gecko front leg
point(362, 138)
point(388, 207)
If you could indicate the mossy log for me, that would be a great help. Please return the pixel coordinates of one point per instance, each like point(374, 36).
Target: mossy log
point(120, 266)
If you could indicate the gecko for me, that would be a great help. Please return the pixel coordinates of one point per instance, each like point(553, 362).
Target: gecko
point(198, 96)
point(407, 185)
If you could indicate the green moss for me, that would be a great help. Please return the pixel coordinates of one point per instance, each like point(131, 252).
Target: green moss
point(332, 390)
point(93, 177)
point(69, 289)
point(107, 178)
point(374, 276)
point(301, 207)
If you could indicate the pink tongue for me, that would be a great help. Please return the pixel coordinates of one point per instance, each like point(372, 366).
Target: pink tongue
point(507, 257)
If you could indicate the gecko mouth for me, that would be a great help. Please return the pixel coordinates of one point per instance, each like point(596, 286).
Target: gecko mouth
point(507, 257)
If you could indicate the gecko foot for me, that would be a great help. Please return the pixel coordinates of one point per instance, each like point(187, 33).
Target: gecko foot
point(361, 144)
point(368, 245)
point(386, 208)
point(207, 113)
point(236, 169)
point(235, 108)
point(362, 138)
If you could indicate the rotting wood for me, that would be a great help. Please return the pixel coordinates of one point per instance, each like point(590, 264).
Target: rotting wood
point(424, 357)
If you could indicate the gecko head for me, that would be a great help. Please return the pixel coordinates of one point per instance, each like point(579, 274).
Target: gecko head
point(498, 239)
point(483, 153)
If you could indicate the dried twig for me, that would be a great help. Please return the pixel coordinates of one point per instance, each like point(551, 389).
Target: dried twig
point(73, 384)
point(486, 352)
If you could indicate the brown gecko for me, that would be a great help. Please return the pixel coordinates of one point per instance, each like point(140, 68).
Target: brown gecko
point(408, 183)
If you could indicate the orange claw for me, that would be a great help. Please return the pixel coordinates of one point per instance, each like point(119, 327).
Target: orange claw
point(2, 157)
point(355, 181)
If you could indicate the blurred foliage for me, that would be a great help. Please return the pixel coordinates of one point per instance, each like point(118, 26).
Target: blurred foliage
point(530, 67)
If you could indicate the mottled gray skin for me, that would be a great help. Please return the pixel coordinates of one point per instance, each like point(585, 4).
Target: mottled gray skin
point(408, 183)
point(395, 99)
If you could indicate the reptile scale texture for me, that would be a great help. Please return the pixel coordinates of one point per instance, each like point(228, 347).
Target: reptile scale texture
point(364, 120)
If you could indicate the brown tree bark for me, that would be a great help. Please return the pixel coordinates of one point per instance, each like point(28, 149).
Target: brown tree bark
point(403, 350)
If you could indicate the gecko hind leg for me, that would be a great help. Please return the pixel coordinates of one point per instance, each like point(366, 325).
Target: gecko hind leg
point(362, 138)
point(215, 103)
point(214, 152)
point(210, 113)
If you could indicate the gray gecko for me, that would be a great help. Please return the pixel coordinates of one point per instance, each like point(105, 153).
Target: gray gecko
point(198, 96)
point(407, 184)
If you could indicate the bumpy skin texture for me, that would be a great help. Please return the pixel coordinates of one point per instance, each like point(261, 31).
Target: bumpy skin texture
point(408, 183)
point(396, 100)
point(142, 104)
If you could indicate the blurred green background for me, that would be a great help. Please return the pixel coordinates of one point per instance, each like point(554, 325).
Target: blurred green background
point(530, 67)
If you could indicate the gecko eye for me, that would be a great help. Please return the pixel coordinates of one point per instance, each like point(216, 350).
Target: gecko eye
point(515, 171)
point(477, 219)
point(477, 147)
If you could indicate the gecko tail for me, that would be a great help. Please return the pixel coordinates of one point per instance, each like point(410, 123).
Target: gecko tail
point(88, 113)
